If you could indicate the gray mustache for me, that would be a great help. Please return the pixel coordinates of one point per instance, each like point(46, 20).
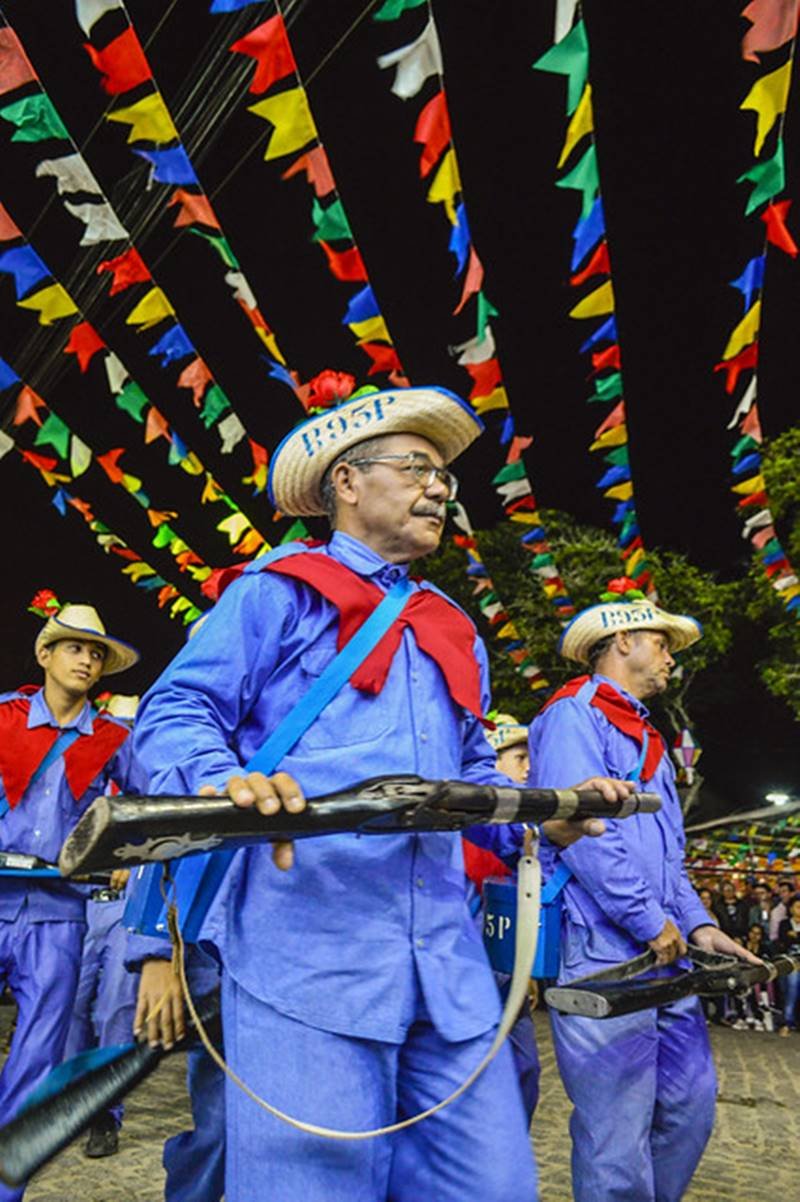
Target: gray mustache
point(430, 511)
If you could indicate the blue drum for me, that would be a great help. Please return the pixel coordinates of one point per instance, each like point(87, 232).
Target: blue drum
point(500, 923)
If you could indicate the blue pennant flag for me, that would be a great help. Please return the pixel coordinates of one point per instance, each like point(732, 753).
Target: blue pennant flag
point(149, 583)
point(606, 332)
point(460, 238)
point(621, 512)
point(750, 462)
point(587, 233)
point(535, 535)
point(173, 345)
point(178, 450)
point(751, 280)
point(170, 166)
point(279, 372)
point(26, 267)
point(614, 475)
point(7, 375)
point(507, 432)
point(230, 6)
point(60, 499)
point(362, 306)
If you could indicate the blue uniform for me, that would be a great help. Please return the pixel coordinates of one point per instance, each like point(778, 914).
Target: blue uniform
point(355, 986)
point(42, 923)
point(643, 1086)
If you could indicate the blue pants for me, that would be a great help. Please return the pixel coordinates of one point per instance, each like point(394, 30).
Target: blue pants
point(791, 996)
point(644, 1089)
point(195, 1160)
point(522, 1038)
point(39, 961)
point(476, 1148)
point(105, 1002)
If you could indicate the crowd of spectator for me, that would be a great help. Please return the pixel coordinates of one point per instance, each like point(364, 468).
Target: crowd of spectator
point(767, 921)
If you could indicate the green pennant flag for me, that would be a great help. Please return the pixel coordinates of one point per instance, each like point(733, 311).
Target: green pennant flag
point(297, 530)
point(607, 388)
point(569, 57)
point(510, 471)
point(487, 599)
point(745, 444)
point(583, 178)
point(391, 9)
point(215, 403)
point(769, 177)
point(618, 457)
point(772, 547)
point(628, 524)
point(35, 118)
point(485, 310)
point(542, 561)
point(163, 535)
point(132, 401)
point(221, 246)
point(330, 223)
point(191, 615)
point(53, 433)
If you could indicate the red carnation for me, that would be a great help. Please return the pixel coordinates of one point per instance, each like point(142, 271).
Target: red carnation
point(621, 585)
point(45, 604)
point(329, 387)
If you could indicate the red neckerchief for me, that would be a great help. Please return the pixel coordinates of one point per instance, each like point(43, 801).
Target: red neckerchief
point(621, 714)
point(22, 749)
point(480, 863)
point(441, 630)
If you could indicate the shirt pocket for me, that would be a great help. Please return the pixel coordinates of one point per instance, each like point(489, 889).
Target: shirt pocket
point(352, 719)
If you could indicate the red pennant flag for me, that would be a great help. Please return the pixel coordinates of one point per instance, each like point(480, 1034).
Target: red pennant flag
point(15, 66)
point(733, 367)
point(752, 424)
point(527, 503)
point(156, 425)
point(8, 227)
point(773, 23)
point(125, 553)
point(109, 464)
point(42, 463)
point(317, 169)
point(194, 208)
point(615, 418)
point(473, 279)
point(85, 342)
point(755, 498)
point(486, 377)
point(260, 454)
point(433, 131)
point(384, 358)
point(28, 406)
point(519, 443)
point(82, 507)
point(597, 265)
point(122, 63)
point(610, 357)
point(269, 45)
point(346, 265)
point(197, 377)
point(126, 269)
point(774, 218)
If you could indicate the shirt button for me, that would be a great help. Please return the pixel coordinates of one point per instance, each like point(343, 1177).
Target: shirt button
point(420, 882)
point(47, 792)
point(423, 738)
point(420, 942)
point(37, 833)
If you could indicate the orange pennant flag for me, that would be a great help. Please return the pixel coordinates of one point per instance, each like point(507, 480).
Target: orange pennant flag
point(433, 131)
point(774, 218)
point(317, 168)
point(15, 66)
point(346, 265)
point(473, 279)
point(110, 465)
point(156, 425)
point(197, 377)
point(8, 227)
point(194, 208)
point(28, 406)
point(269, 45)
point(615, 418)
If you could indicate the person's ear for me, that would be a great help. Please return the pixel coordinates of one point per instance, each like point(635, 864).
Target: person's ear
point(42, 656)
point(344, 480)
point(623, 642)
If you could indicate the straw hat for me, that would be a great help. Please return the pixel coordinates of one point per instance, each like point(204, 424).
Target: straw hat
point(307, 451)
point(508, 732)
point(595, 623)
point(83, 622)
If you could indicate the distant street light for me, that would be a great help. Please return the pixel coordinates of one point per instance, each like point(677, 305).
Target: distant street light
point(778, 799)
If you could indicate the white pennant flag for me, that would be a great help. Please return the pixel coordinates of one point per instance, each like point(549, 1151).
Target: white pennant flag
point(100, 221)
point(762, 518)
point(784, 582)
point(241, 289)
point(79, 456)
point(71, 174)
point(565, 15)
point(89, 12)
point(745, 404)
point(513, 490)
point(116, 372)
point(6, 443)
point(231, 431)
point(415, 63)
point(476, 350)
point(460, 519)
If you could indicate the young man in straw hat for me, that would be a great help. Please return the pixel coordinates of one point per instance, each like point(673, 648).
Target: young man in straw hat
point(56, 756)
point(643, 1085)
point(355, 988)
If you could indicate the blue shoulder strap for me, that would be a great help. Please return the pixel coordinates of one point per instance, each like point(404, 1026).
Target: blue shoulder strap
point(64, 740)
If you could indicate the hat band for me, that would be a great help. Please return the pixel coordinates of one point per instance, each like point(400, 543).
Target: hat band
point(326, 433)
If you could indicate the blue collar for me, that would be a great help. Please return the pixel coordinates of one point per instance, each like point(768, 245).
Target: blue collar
point(362, 559)
point(41, 715)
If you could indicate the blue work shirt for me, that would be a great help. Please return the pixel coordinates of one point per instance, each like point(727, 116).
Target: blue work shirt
point(626, 884)
point(44, 816)
point(344, 939)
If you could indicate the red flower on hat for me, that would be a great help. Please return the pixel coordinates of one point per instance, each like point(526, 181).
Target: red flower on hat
point(329, 387)
point(622, 588)
point(45, 604)
point(621, 584)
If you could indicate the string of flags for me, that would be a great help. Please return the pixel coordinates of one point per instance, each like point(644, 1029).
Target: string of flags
point(768, 846)
point(414, 65)
point(591, 266)
point(772, 28)
point(137, 570)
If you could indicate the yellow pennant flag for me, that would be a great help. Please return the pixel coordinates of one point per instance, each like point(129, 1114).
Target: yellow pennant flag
point(138, 571)
point(582, 123)
point(767, 98)
point(745, 333)
point(179, 606)
point(53, 478)
point(235, 526)
point(270, 343)
point(527, 519)
point(191, 464)
point(497, 399)
point(199, 573)
point(131, 484)
point(617, 436)
point(291, 116)
point(754, 484)
point(596, 304)
point(151, 309)
point(52, 303)
point(792, 591)
point(446, 185)
point(149, 120)
point(509, 631)
point(620, 492)
point(211, 491)
point(372, 330)
point(177, 546)
point(633, 561)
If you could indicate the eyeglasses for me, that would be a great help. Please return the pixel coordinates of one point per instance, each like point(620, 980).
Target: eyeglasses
point(420, 467)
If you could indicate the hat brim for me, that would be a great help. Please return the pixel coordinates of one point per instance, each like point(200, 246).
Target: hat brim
point(599, 621)
point(120, 655)
point(305, 454)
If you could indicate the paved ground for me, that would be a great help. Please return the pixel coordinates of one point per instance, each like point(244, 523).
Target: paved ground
point(752, 1156)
